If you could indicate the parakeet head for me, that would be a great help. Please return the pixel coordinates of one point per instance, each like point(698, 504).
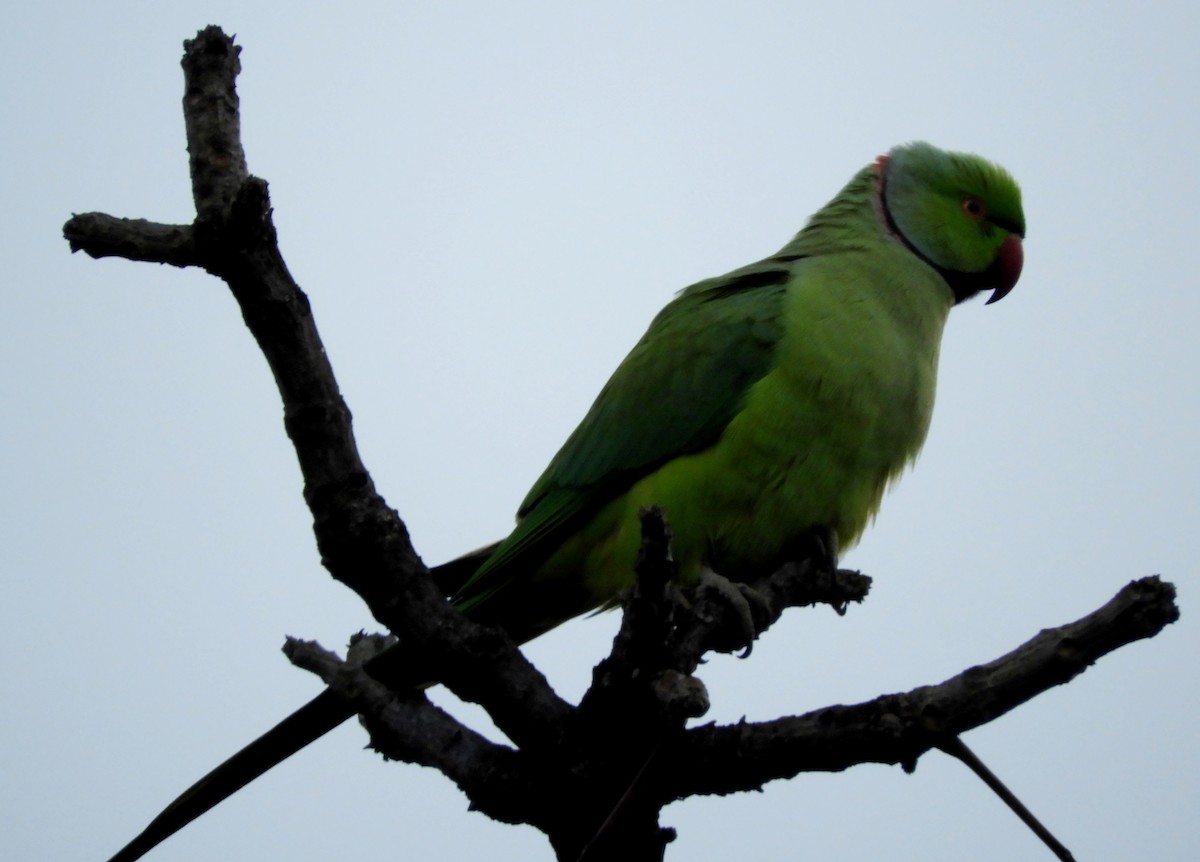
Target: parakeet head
point(961, 214)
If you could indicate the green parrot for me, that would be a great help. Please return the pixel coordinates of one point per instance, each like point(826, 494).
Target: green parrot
point(759, 406)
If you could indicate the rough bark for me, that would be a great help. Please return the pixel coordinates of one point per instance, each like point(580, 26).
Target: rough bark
point(593, 777)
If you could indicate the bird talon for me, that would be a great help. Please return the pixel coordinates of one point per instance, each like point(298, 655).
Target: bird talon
point(739, 598)
point(825, 540)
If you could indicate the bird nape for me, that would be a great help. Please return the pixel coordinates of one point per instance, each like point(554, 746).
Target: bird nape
point(775, 400)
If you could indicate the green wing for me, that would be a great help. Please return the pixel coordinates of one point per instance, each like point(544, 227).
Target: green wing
point(674, 394)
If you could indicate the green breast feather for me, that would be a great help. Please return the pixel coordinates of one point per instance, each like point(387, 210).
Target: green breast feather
point(781, 397)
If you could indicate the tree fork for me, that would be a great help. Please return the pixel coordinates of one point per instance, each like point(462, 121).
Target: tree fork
point(563, 754)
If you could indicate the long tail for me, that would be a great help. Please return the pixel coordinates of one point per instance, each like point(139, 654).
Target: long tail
point(306, 725)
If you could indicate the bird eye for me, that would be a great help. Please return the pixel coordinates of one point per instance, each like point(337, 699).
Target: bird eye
point(974, 208)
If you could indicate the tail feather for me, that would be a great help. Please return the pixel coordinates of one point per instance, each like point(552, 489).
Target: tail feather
point(451, 576)
point(306, 725)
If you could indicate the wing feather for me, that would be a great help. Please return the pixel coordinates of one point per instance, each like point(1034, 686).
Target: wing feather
point(673, 394)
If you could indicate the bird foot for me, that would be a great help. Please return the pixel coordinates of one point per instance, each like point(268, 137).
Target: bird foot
point(741, 599)
point(825, 558)
point(825, 549)
point(814, 559)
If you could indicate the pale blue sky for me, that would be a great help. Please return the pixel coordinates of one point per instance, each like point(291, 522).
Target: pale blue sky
point(486, 204)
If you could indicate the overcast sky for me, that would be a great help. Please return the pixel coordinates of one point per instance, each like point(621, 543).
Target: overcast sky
point(486, 204)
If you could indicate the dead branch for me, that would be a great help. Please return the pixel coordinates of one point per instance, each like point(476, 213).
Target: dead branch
point(592, 777)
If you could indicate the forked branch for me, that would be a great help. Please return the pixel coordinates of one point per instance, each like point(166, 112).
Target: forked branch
point(592, 777)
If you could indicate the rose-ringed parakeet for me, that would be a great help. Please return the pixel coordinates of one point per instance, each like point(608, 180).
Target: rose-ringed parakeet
point(759, 406)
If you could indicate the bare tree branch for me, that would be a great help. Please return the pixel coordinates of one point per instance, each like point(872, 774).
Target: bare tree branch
point(363, 542)
point(406, 726)
point(898, 728)
point(592, 777)
point(212, 119)
point(101, 235)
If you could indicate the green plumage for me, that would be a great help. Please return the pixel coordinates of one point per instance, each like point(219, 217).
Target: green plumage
point(776, 399)
point(780, 398)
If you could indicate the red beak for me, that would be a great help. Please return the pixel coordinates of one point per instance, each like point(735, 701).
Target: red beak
point(1007, 267)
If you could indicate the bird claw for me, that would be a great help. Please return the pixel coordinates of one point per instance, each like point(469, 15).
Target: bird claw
point(820, 558)
point(825, 545)
point(740, 599)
